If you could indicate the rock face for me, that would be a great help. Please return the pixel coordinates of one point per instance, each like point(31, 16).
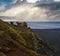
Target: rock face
point(19, 40)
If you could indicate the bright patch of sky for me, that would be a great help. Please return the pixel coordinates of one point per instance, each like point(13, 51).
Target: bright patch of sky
point(57, 0)
point(31, 1)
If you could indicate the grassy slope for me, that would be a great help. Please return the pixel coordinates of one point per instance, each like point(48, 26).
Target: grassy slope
point(21, 37)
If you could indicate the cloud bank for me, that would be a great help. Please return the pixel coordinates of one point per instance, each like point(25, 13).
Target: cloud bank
point(23, 11)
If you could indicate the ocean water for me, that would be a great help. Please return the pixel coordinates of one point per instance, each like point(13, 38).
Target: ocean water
point(44, 25)
point(52, 36)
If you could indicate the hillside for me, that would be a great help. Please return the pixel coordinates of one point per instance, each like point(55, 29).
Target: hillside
point(20, 40)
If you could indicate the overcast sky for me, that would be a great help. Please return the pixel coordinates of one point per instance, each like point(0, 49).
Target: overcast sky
point(18, 10)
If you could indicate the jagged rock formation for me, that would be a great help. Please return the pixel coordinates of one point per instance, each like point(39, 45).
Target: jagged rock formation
point(19, 40)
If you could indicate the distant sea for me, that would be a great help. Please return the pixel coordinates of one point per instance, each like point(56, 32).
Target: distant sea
point(50, 35)
point(44, 25)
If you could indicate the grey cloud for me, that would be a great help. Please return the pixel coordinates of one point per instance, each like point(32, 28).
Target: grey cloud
point(39, 11)
point(53, 9)
point(8, 6)
point(51, 6)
